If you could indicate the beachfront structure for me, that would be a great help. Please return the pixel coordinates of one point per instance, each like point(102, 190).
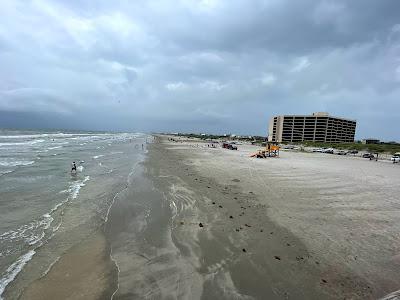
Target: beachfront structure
point(318, 127)
point(370, 141)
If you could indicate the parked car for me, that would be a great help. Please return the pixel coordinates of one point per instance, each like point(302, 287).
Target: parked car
point(232, 147)
point(229, 146)
point(352, 152)
point(395, 158)
point(329, 151)
point(319, 150)
point(289, 147)
point(368, 155)
point(341, 152)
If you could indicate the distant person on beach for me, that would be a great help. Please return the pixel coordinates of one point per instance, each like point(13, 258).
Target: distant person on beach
point(142, 146)
point(73, 168)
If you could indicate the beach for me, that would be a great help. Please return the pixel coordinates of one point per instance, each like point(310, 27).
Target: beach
point(331, 220)
point(182, 220)
point(218, 224)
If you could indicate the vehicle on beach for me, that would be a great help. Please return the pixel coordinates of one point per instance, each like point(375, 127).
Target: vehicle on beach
point(352, 152)
point(271, 150)
point(395, 158)
point(329, 151)
point(368, 155)
point(318, 150)
point(232, 147)
point(229, 146)
point(289, 147)
point(341, 152)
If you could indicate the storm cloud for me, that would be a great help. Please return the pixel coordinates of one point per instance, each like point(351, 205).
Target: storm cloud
point(205, 66)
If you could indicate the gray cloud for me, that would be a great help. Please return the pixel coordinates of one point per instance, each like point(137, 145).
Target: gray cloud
point(200, 65)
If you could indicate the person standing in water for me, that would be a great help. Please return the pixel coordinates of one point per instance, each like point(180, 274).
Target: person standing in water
point(73, 168)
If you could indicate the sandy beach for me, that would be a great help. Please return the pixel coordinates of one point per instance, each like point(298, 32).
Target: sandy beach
point(299, 226)
point(195, 222)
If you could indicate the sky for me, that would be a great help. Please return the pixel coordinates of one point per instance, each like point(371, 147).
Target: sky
point(215, 66)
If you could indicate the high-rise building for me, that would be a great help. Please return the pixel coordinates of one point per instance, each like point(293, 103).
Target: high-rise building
point(318, 127)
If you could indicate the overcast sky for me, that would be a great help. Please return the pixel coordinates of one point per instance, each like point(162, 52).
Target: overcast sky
point(204, 66)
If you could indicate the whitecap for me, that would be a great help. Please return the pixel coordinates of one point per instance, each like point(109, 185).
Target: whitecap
point(16, 163)
point(53, 148)
point(29, 143)
point(4, 172)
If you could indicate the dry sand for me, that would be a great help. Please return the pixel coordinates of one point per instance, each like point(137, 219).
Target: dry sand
point(335, 221)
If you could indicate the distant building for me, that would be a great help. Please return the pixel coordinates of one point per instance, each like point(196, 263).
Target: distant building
point(370, 141)
point(318, 127)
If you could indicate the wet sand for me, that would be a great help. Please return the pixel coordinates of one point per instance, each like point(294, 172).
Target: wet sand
point(176, 234)
point(84, 272)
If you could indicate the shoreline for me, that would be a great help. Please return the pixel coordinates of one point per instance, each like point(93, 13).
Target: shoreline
point(89, 260)
point(195, 222)
point(85, 271)
point(237, 240)
point(78, 254)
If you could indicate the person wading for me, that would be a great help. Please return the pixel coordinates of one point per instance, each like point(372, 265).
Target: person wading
point(73, 168)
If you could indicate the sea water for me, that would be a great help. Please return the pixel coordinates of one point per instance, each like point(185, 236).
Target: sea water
point(44, 208)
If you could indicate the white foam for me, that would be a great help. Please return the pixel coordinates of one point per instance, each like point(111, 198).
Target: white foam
point(59, 204)
point(25, 136)
point(5, 172)
point(22, 143)
point(57, 227)
point(76, 186)
point(13, 270)
point(35, 239)
point(26, 232)
point(50, 266)
point(53, 148)
point(16, 163)
point(98, 156)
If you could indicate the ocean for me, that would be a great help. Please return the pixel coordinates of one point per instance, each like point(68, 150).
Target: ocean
point(44, 208)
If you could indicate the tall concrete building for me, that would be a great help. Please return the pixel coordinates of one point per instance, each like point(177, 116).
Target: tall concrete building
point(318, 127)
